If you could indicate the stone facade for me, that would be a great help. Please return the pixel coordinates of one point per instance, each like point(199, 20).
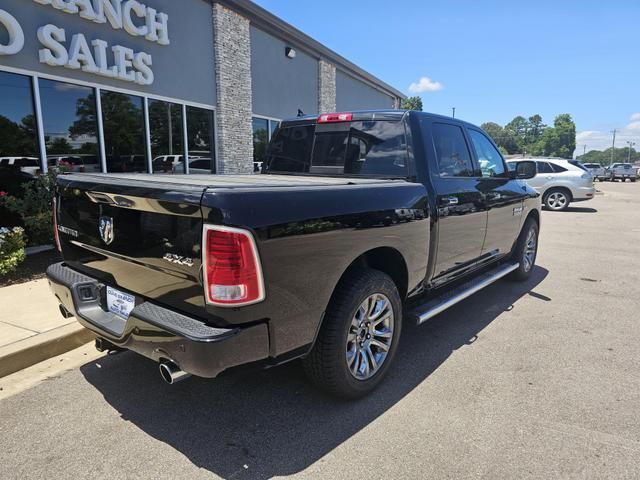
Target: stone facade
point(232, 50)
point(326, 87)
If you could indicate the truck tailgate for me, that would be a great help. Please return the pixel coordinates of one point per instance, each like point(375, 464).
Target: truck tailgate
point(139, 236)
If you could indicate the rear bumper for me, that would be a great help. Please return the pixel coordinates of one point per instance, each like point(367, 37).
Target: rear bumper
point(156, 332)
point(580, 194)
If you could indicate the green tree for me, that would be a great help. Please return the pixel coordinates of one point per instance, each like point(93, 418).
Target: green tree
point(518, 128)
point(535, 129)
point(412, 103)
point(559, 141)
point(58, 146)
point(603, 157)
point(494, 130)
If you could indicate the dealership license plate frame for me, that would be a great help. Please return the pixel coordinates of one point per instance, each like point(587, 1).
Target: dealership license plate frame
point(120, 303)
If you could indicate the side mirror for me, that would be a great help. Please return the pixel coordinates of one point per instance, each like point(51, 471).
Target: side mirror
point(524, 170)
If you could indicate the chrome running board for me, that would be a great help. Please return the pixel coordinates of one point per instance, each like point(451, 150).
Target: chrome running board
point(433, 307)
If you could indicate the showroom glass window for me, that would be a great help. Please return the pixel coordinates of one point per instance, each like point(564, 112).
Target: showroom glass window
point(70, 126)
point(263, 130)
point(19, 156)
point(123, 124)
point(200, 139)
point(165, 126)
point(260, 141)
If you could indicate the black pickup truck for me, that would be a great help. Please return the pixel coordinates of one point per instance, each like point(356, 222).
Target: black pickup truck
point(357, 221)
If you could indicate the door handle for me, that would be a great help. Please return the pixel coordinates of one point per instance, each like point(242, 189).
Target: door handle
point(449, 200)
point(549, 177)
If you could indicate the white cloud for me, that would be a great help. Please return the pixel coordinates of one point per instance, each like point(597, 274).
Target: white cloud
point(599, 140)
point(425, 84)
point(635, 117)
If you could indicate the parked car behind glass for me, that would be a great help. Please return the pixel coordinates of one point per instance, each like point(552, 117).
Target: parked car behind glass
point(560, 182)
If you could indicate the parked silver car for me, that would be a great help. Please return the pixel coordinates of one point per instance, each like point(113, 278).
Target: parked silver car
point(559, 181)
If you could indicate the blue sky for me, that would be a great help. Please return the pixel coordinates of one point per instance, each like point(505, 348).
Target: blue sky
point(494, 59)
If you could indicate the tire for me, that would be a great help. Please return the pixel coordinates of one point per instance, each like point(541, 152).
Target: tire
point(335, 363)
point(557, 199)
point(522, 251)
point(633, 180)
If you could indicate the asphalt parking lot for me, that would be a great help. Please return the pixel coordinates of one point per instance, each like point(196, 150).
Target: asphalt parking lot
point(535, 380)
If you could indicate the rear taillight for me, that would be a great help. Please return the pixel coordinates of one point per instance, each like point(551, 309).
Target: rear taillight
point(56, 234)
point(232, 272)
point(335, 117)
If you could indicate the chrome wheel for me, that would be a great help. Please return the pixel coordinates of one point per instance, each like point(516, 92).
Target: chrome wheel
point(370, 336)
point(529, 255)
point(557, 200)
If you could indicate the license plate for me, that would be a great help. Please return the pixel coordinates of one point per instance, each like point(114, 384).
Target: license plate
point(119, 302)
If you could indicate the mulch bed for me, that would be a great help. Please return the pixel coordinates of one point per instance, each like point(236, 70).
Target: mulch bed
point(33, 268)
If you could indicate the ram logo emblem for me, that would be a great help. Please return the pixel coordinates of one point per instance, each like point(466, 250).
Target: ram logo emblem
point(105, 226)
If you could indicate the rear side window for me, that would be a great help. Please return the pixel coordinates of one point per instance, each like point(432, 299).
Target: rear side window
point(452, 152)
point(558, 169)
point(544, 167)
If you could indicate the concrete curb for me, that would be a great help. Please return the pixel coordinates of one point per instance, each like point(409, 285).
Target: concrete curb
point(32, 350)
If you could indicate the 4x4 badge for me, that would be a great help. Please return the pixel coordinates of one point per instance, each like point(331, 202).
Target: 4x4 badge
point(106, 229)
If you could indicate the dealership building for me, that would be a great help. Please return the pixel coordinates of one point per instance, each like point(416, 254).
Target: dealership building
point(138, 86)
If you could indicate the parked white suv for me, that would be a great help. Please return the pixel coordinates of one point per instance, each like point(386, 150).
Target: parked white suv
point(560, 182)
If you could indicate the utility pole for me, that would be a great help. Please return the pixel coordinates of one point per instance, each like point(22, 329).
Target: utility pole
point(613, 145)
point(631, 144)
point(584, 150)
point(454, 111)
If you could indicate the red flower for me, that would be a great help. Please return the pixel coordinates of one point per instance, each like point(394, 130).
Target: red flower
point(3, 194)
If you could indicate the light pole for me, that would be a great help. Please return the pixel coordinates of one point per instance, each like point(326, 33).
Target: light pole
point(613, 145)
point(631, 144)
point(584, 150)
point(454, 112)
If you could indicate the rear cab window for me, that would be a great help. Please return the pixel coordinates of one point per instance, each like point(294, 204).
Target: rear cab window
point(375, 148)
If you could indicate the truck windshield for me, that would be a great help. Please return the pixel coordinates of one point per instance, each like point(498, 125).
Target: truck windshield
point(367, 148)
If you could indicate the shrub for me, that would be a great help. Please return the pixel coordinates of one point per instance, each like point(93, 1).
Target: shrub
point(11, 249)
point(34, 208)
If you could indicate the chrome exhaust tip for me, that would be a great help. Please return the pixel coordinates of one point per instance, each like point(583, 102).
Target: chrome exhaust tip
point(64, 312)
point(171, 373)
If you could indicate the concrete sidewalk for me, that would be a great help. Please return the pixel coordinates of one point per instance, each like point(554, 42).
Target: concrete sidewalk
point(32, 328)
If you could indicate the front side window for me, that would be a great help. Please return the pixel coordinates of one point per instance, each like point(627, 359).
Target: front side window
point(70, 126)
point(123, 122)
point(489, 158)
point(452, 152)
